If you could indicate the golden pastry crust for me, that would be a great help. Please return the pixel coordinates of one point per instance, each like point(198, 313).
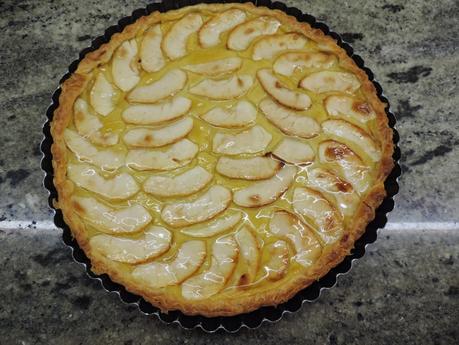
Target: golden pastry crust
point(232, 301)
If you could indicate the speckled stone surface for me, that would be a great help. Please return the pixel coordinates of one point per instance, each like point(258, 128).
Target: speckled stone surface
point(404, 291)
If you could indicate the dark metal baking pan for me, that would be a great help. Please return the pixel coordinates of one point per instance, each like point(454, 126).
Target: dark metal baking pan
point(265, 314)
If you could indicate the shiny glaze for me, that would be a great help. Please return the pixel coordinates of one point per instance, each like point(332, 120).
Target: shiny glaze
point(257, 219)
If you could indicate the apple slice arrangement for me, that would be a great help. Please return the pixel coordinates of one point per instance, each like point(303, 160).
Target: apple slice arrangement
point(203, 178)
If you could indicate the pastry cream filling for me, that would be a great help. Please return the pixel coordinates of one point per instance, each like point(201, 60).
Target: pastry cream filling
point(249, 158)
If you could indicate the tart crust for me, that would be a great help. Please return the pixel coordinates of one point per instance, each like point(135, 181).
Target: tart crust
point(228, 302)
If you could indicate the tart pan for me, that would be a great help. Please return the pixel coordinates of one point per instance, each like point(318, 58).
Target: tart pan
point(256, 318)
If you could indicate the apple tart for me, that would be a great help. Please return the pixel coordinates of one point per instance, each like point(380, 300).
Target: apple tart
point(219, 158)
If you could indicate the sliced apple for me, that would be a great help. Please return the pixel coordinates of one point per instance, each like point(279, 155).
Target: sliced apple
point(249, 256)
point(215, 226)
point(327, 181)
point(253, 140)
point(124, 220)
point(187, 183)
point(151, 55)
point(268, 47)
point(207, 206)
point(281, 93)
point(278, 260)
point(243, 35)
point(212, 280)
point(154, 114)
point(210, 32)
point(175, 40)
point(337, 188)
point(289, 121)
point(312, 205)
point(289, 63)
point(105, 159)
point(327, 81)
point(353, 134)
point(102, 95)
point(155, 241)
point(158, 274)
point(149, 137)
point(349, 163)
point(256, 168)
point(120, 187)
point(168, 85)
point(175, 156)
point(223, 89)
point(242, 114)
point(289, 227)
point(88, 125)
point(125, 71)
point(294, 151)
point(85, 121)
point(266, 191)
point(216, 67)
point(345, 106)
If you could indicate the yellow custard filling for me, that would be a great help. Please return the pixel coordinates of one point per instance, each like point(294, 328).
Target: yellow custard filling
point(256, 219)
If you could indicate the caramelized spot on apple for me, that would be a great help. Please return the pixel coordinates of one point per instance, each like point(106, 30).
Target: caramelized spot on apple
point(148, 138)
point(255, 198)
point(337, 152)
point(248, 31)
point(343, 186)
point(243, 280)
point(123, 52)
point(361, 107)
point(330, 222)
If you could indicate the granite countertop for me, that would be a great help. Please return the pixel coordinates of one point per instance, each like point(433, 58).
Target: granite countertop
point(404, 291)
